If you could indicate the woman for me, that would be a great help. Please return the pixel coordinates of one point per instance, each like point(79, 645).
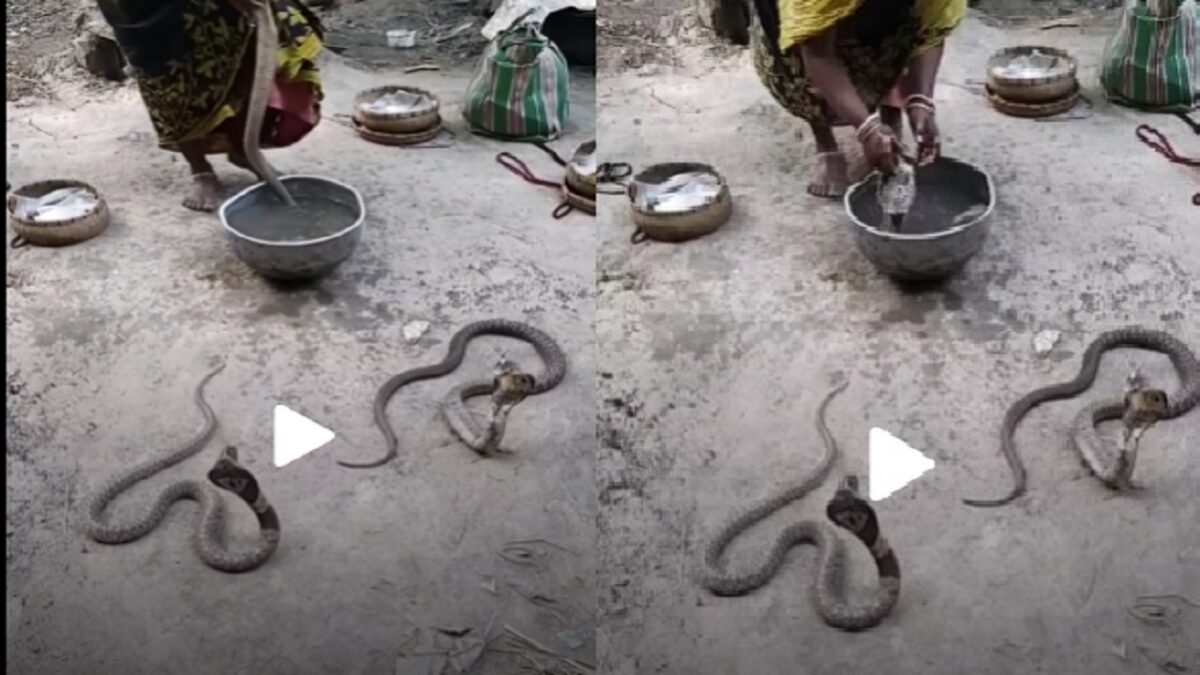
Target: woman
point(855, 62)
point(194, 63)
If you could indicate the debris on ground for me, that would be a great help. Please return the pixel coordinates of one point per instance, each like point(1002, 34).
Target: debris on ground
point(489, 585)
point(1065, 22)
point(413, 330)
point(538, 658)
point(1045, 340)
point(439, 651)
point(401, 38)
point(525, 552)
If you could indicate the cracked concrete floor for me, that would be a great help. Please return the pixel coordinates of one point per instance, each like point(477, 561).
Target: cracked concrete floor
point(108, 338)
point(714, 354)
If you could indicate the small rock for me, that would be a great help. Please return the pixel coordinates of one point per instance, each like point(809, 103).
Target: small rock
point(97, 51)
point(413, 330)
point(1045, 340)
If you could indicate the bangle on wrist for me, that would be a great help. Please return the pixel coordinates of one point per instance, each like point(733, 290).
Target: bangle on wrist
point(869, 127)
point(920, 101)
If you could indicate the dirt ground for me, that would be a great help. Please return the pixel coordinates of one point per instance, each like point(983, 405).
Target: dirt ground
point(39, 34)
point(107, 339)
point(714, 354)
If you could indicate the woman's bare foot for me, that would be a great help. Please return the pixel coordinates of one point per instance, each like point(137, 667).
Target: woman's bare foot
point(832, 177)
point(206, 193)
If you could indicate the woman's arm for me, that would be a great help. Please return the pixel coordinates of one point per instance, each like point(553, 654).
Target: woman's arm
point(917, 87)
point(828, 74)
point(922, 73)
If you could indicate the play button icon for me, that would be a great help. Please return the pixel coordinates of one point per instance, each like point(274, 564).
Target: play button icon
point(892, 464)
point(296, 435)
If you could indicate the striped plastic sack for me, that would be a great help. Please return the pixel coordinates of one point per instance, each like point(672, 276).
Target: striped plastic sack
point(1153, 62)
point(520, 90)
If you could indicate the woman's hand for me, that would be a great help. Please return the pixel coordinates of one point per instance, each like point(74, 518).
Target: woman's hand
point(923, 122)
point(880, 146)
point(882, 150)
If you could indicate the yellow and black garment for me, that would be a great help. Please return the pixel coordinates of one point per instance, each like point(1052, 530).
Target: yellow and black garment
point(187, 55)
point(876, 39)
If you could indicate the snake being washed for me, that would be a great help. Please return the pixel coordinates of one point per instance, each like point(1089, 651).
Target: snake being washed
point(847, 510)
point(209, 536)
point(1112, 466)
point(507, 389)
point(266, 44)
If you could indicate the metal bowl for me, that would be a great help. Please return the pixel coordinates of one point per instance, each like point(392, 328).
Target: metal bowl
point(419, 117)
point(678, 201)
point(296, 260)
point(1031, 74)
point(944, 188)
point(56, 232)
point(581, 170)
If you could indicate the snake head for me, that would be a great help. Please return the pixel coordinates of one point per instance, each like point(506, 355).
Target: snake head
point(1145, 407)
point(510, 389)
point(230, 475)
point(847, 510)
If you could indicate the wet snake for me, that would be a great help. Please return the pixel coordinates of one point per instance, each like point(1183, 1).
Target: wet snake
point(847, 510)
point(209, 536)
point(454, 411)
point(1095, 453)
point(266, 44)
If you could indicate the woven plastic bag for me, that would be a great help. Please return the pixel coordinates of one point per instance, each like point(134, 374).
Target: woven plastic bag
point(520, 90)
point(1153, 61)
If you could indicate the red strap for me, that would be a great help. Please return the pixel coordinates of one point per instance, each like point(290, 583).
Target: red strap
point(1154, 138)
point(518, 167)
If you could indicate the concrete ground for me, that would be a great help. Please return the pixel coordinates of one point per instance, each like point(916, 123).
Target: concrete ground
point(108, 338)
point(714, 354)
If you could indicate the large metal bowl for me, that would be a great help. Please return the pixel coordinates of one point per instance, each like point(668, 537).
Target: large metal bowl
point(942, 187)
point(1031, 74)
point(296, 260)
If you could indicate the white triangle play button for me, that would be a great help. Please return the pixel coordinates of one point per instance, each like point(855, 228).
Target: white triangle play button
point(892, 464)
point(296, 435)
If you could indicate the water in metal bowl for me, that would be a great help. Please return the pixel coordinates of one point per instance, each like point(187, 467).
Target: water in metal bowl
point(294, 243)
point(946, 225)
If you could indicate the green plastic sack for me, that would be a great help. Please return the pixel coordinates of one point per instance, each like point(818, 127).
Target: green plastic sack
point(1152, 62)
point(520, 90)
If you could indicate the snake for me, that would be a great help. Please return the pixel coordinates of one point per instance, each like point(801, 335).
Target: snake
point(266, 43)
point(208, 540)
point(458, 417)
point(847, 510)
point(1094, 452)
point(506, 391)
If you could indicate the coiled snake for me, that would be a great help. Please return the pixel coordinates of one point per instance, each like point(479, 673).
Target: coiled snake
point(1094, 452)
point(847, 510)
point(209, 535)
point(454, 410)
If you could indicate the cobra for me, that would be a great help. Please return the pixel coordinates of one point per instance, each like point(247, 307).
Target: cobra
point(460, 419)
point(265, 64)
point(209, 536)
point(1093, 451)
point(847, 510)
